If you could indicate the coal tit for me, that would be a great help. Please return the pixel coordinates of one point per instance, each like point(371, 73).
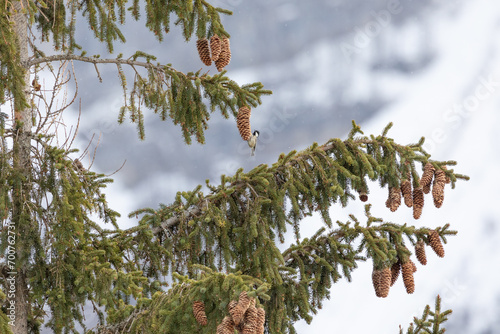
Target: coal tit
point(252, 142)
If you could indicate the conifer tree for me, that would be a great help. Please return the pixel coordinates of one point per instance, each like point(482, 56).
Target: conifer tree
point(61, 247)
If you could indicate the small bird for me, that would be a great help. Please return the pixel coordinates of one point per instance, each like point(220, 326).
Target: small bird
point(252, 142)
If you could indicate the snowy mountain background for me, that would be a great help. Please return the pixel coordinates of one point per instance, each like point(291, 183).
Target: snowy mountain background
point(431, 68)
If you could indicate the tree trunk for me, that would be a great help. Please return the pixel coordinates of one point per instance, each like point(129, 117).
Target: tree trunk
point(22, 168)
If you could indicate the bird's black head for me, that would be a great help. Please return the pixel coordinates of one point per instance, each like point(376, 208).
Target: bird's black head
point(256, 133)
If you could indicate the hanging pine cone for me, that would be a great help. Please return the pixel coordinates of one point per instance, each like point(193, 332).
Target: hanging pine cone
point(406, 191)
point(394, 199)
point(226, 326)
point(376, 276)
point(199, 313)
point(381, 279)
point(435, 243)
point(237, 315)
point(418, 202)
point(407, 270)
point(385, 282)
point(238, 312)
point(243, 123)
point(438, 188)
point(224, 56)
point(244, 300)
point(427, 176)
point(420, 252)
point(395, 269)
point(251, 321)
point(363, 196)
point(395, 195)
point(215, 47)
point(438, 195)
point(204, 51)
point(261, 320)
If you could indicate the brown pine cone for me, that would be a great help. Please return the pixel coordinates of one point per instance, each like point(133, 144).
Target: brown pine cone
point(438, 195)
point(244, 300)
point(226, 326)
point(395, 269)
point(381, 279)
point(438, 188)
point(238, 312)
point(435, 243)
point(224, 56)
point(420, 252)
point(407, 194)
point(418, 202)
point(394, 198)
point(376, 277)
point(363, 196)
point(237, 315)
point(407, 270)
point(261, 320)
point(215, 47)
point(204, 51)
point(427, 176)
point(251, 321)
point(385, 282)
point(243, 123)
point(199, 313)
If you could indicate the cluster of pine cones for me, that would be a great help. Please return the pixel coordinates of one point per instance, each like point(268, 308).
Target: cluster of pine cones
point(243, 123)
point(218, 51)
point(415, 198)
point(244, 316)
point(384, 278)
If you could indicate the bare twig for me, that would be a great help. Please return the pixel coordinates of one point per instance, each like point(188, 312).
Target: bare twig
point(98, 74)
point(93, 60)
point(116, 171)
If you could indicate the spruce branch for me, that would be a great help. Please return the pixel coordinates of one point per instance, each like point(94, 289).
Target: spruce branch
point(331, 166)
point(235, 226)
point(431, 322)
point(164, 90)
point(58, 21)
point(132, 61)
